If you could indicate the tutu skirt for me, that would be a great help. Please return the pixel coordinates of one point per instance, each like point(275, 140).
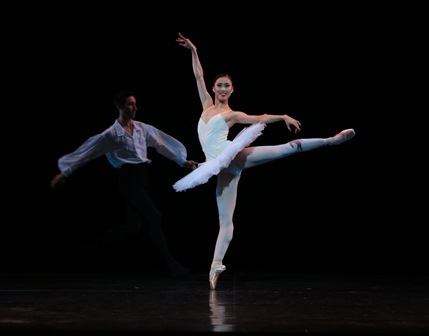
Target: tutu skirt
point(209, 168)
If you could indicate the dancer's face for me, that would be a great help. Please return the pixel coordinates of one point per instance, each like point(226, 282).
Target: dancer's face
point(129, 108)
point(223, 88)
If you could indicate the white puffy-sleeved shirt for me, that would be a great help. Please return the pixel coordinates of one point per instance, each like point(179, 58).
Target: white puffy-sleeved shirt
point(120, 147)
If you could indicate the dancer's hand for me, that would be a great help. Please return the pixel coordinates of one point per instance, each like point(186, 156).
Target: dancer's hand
point(58, 180)
point(185, 42)
point(190, 164)
point(292, 122)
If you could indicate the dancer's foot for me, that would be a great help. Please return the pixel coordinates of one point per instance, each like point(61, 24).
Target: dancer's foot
point(215, 271)
point(341, 137)
point(174, 268)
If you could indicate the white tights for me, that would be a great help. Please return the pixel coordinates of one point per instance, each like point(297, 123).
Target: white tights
point(227, 183)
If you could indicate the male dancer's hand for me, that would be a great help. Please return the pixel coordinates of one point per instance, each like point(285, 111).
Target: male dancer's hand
point(58, 180)
point(190, 164)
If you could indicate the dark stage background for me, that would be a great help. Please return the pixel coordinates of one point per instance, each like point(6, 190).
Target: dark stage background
point(331, 65)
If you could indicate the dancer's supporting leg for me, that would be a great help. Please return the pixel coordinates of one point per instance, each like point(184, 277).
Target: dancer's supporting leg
point(226, 196)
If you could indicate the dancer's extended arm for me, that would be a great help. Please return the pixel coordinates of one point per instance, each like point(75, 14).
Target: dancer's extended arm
point(238, 117)
point(205, 98)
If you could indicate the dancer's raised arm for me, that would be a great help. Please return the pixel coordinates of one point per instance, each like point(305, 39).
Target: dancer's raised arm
point(205, 98)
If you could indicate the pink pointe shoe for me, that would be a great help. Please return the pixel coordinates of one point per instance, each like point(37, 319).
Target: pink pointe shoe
point(214, 275)
point(343, 136)
point(348, 134)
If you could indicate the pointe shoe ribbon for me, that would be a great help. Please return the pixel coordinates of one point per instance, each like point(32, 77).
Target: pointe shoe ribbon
point(214, 275)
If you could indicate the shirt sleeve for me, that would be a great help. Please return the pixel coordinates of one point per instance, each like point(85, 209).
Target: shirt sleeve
point(91, 149)
point(166, 145)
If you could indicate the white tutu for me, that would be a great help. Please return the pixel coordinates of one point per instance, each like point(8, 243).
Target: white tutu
point(209, 168)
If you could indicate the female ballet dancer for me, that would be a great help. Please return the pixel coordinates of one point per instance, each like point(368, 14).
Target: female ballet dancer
point(227, 159)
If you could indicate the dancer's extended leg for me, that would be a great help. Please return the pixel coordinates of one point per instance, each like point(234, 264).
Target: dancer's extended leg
point(254, 156)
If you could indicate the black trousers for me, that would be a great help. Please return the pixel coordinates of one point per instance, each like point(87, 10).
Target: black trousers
point(133, 183)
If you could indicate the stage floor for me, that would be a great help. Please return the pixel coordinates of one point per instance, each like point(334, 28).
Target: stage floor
point(244, 302)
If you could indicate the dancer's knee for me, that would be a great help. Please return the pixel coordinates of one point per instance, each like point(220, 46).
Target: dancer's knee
point(287, 149)
point(295, 145)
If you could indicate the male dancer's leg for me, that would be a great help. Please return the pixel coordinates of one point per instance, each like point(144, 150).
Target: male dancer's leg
point(136, 194)
point(120, 232)
point(133, 186)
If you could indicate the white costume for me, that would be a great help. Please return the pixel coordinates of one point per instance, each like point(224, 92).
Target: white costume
point(219, 151)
